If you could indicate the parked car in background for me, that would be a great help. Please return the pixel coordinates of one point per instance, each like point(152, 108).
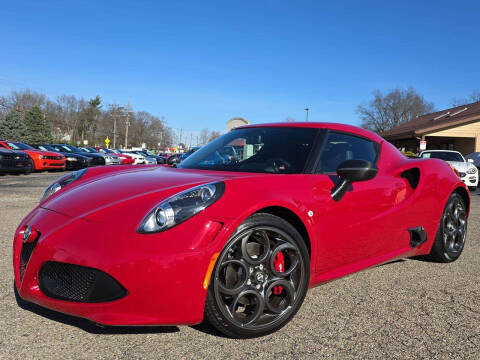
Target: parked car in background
point(96, 159)
point(138, 159)
point(73, 161)
point(124, 158)
point(160, 159)
point(41, 160)
point(110, 159)
point(12, 161)
point(188, 153)
point(149, 160)
point(467, 171)
point(173, 159)
point(474, 158)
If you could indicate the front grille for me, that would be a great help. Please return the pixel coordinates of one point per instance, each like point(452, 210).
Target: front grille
point(53, 157)
point(11, 164)
point(25, 254)
point(78, 283)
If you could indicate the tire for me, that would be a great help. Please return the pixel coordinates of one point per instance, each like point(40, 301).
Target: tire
point(252, 291)
point(30, 168)
point(452, 231)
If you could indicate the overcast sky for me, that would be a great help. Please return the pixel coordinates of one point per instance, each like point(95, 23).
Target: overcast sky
point(199, 63)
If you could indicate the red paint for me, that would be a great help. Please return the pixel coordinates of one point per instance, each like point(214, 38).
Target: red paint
point(165, 272)
point(39, 162)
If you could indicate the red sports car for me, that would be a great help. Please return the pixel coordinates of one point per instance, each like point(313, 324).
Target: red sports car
point(40, 160)
point(239, 231)
point(126, 159)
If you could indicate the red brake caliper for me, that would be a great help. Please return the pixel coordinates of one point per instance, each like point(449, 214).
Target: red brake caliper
point(279, 264)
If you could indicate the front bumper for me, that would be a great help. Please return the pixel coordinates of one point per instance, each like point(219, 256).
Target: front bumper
point(164, 286)
point(13, 165)
point(47, 164)
point(470, 180)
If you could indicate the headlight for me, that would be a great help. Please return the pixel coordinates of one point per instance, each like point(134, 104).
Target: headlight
point(72, 159)
point(42, 157)
point(472, 170)
point(61, 183)
point(181, 207)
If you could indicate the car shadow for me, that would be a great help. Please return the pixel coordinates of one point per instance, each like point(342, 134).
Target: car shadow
point(208, 329)
point(89, 326)
point(391, 262)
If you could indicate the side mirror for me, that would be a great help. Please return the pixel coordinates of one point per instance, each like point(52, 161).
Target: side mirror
point(351, 171)
point(470, 161)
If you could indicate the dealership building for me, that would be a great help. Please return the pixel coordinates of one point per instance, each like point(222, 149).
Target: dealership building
point(457, 128)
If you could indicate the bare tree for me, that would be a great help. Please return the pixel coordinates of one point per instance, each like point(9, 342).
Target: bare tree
point(473, 97)
point(389, 110)
point(204, 136)
point(213, 135)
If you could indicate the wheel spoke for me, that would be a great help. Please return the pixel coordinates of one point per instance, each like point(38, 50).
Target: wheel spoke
point(247, 306)
point(278, 302)
point(232, 276)
point(290, 256)
point(255, 249)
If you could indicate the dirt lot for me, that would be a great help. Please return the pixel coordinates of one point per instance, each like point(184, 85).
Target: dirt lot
point(405, 309)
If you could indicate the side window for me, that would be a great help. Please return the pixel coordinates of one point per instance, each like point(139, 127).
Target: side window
point(340, 147)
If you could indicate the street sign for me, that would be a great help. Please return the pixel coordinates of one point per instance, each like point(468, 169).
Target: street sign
point(107, 141)
point(423, 145)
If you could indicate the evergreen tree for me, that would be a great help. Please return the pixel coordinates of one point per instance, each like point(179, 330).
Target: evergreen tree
point(38, 128)
point(13, 127)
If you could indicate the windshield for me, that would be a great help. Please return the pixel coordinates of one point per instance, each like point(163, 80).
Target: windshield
point(19, 146)
point(444, 155)
point(46, 148)
point(88, 150)
point(66, 148)
point(148, 152)
point(277, 150)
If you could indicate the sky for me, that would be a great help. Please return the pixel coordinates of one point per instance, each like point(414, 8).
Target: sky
point(200, 63)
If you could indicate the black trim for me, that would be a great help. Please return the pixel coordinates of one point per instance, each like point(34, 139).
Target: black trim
point(418, 236)
point(413, 176)
point(77, 283)
point(316, 151)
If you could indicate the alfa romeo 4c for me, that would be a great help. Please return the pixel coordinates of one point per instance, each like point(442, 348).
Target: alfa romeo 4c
point(238, 232)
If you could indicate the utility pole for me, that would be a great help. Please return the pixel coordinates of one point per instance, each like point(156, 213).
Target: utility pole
point(307, 109)
point(180, 136)
point(114, 131)
point(127, 124)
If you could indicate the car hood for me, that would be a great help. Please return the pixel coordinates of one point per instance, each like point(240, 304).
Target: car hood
point(42, 152)
point(140, 188)
point(13, 152)
point(460, 165)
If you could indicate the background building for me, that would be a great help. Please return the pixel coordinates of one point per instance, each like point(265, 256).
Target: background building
point(236, 122)
point(457, 128)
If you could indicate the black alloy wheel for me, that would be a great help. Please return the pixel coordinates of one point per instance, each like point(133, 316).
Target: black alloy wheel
point(260, 278)
point(452, 231)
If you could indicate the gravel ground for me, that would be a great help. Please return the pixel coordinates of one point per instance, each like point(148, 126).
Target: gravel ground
point(405, 309)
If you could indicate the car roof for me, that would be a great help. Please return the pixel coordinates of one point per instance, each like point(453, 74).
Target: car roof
point(451, 151)
point(321, 125)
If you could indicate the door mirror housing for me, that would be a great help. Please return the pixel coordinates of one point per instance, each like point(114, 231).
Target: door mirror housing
point(351, 171)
